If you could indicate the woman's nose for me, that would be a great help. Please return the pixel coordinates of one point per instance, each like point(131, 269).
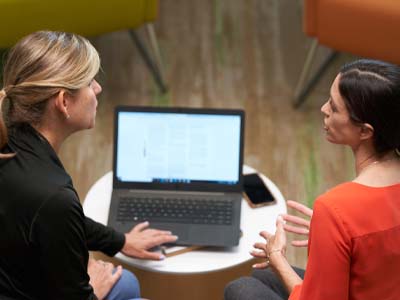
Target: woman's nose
point(324, 109)
point(96, 87)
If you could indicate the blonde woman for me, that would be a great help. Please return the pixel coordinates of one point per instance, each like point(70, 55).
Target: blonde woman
point(49, 93)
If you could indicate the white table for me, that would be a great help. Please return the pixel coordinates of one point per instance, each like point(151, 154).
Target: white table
point(96, 206)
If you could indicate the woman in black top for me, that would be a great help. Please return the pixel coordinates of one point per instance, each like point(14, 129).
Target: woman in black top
point(50, 93)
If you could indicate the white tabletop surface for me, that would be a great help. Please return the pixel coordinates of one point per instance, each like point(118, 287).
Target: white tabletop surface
point(96, 206)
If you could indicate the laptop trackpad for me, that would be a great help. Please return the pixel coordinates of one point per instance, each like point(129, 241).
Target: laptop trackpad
point(181, 231)
point(204, 235)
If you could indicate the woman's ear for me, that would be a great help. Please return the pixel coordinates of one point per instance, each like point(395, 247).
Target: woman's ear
point(367, 131)
point(62, 100)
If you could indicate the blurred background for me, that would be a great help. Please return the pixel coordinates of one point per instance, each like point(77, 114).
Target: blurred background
point(224, 54)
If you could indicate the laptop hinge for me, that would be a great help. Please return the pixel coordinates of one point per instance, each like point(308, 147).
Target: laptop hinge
point(166, 192)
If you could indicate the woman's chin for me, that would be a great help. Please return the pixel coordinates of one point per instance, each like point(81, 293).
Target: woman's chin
point(329, 138)
point(91, 124)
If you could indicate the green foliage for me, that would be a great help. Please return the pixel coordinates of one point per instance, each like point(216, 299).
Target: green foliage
point(309, 151)
point(218, 36)
point(311, 177)
point(160, 99)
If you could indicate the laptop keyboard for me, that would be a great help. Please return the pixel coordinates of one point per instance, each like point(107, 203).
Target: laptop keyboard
point(175, 210)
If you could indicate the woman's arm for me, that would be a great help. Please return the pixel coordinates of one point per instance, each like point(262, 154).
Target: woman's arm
point(328, 268)
point(103, 238)
point(274, 251)
point(329, 255)
point(58, 234)
point(135, 243)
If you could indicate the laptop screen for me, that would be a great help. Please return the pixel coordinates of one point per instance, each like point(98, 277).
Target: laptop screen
point(187, 146)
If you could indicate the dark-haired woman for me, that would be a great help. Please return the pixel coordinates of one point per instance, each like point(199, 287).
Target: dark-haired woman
point(354, 241)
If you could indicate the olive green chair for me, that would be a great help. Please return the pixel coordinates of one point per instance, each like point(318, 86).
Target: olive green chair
point(84, 17)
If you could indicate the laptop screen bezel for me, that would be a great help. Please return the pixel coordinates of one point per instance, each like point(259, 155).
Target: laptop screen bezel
point(194, 186)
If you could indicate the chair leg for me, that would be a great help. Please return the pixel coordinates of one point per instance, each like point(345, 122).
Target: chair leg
point(302, 90)
point(155, 46)
point(153, 67)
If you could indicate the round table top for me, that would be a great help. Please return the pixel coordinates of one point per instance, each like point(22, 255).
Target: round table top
point(207, 259)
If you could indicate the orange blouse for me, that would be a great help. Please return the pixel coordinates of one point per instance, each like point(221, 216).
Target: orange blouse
point(354, 245)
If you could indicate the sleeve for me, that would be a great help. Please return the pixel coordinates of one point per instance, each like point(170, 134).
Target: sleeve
point(58, 233)
point(103, 238)
point(328, 268)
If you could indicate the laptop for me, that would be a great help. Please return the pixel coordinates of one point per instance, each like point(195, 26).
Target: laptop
point(181, 170)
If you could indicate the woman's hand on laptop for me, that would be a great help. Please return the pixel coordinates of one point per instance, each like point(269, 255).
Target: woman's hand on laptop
point(301, 225)
point(141, 238)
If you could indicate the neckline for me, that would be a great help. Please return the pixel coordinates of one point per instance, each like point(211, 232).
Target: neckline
point(376, 187)
point(32, 135)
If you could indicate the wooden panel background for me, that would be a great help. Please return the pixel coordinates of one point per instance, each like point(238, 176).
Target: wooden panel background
point(223, 54)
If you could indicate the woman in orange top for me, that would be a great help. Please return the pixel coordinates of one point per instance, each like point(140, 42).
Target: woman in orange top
point(354, 241)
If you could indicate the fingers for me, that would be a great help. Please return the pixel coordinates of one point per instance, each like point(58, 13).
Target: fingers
point(303, 243)
point(260, 246)
point(106, 265)
point(91, 262)
point(296, 220)
point(300, 207)
point(258, 254)
point(117, 274)
point(141, 226)
point(266, 235)
point(279, 224)
point(262, 265)
point(161, 239)
point(155, 232)
point(151, 255)
point(297, 230)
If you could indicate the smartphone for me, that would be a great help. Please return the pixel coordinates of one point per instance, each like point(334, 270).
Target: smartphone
point(256, 192)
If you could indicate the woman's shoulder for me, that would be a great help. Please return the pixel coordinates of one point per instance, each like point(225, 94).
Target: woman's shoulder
point(344, 196)
point(360, 208)
point(353, 191)
point(343, 190)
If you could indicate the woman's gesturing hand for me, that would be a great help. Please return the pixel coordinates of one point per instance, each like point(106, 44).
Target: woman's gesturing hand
point(301, 224)
point(141, 238)
point(102, 278)
point(275, 245)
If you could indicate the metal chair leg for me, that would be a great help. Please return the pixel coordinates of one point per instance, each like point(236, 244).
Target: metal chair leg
point(154, 69)
point(155, 46)
point(301, 90)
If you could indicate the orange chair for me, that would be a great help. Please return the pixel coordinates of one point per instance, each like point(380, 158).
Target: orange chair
point(366, 28)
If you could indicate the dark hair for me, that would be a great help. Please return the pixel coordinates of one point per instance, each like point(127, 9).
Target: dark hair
point(371, 91)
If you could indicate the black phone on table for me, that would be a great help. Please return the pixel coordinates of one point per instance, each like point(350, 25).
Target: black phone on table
point(256, 192)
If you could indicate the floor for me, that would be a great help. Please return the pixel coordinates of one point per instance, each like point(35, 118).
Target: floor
point(224, 54)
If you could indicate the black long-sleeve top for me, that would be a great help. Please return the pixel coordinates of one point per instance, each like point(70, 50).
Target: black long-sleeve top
point(44, 234)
